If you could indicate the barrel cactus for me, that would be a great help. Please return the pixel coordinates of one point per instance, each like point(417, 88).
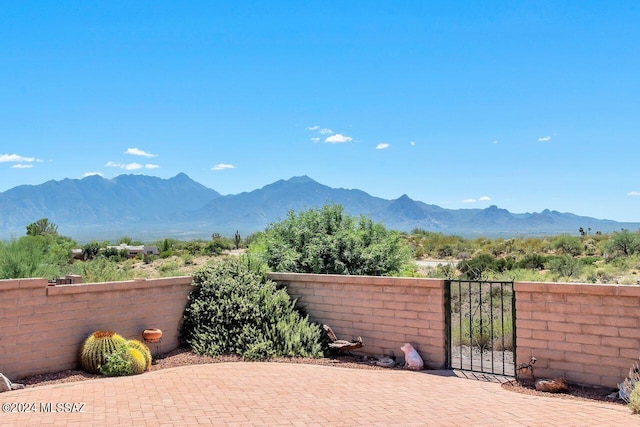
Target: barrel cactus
point(137, 359)
point(97, 347)
point(143, 349)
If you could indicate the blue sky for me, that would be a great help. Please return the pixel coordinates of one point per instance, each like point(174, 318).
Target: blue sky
point(524, 105)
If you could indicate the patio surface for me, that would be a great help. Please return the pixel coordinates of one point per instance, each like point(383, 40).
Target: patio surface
point(268, 394)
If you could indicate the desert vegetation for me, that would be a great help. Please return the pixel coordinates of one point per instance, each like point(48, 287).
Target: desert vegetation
point(584, 257)
point(234, 309)
point(327, 240)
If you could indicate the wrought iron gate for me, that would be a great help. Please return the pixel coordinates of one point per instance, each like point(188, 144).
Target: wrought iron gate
point(480, 322)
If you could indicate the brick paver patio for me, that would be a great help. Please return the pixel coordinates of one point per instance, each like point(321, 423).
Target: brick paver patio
point(268, 394)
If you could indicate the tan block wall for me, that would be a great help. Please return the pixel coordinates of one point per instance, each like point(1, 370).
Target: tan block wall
point(589, 334)
point(385, 311)
point(42, 327)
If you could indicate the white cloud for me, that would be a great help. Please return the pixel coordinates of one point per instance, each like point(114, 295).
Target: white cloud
point(137, 152)
point(382, 146)
point(481, 199)
point(544, 139)
point(16, 158)
point(325, 131)
point(222, 166)
point(338, 139)
point(316, 127)
point(633, 193)
point(126, 166)
point(495, 141)
point(412, 143)
point(21, 166)
point(315, 140)
point(151, 166)
point(86, 174)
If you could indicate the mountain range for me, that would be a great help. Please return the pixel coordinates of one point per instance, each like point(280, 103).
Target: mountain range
point(146, 207)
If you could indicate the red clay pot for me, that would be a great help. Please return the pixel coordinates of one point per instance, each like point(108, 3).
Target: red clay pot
point(152, 335)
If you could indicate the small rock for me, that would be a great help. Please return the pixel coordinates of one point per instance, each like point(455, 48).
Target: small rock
point(386, 362)
point(614, 396)
point(6, 384)
point(557, 385)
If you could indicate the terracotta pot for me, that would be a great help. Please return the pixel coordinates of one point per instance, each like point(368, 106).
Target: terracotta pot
point(152, 335)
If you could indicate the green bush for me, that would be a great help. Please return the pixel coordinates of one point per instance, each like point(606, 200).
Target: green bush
point(568, 245)
point(117, 363)
point(100, 270)
point(328, 241)
point(35, 256)
point(532, 262)
point(634, 399)
point(565, 266)
point(623, 243)
point(476, 268)
point(234, 308)
point(171, 267)
point(127, 359)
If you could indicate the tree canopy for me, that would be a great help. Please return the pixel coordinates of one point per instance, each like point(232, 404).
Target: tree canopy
point(329, 241)
point(42, 227)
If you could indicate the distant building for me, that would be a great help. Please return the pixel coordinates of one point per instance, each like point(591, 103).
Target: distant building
point(134, 251)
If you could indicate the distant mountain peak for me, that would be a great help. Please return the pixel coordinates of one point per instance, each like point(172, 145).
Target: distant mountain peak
point(406, 208)
point(179, 206)
point(304, 179)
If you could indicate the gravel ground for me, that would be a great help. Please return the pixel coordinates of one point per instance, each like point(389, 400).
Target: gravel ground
point(183, 357)
point(600, 394)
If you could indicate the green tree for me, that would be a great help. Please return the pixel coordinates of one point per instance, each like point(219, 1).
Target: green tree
point(91, 250)
point(42, 227)
point(624, 242)
point(218, 244)
point(126, 240)
point(565, 266)
point(569, 245)
point(475, 268)
point(35, 256)
point(329, 241)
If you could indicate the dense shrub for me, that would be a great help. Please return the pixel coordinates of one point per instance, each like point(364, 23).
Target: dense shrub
point(100, 270)
point(218, 245)
point(532, 262)
point(328, 241)
point(623, 243)
point(34, 256)
point(569, 245)
point(475, 268)
point(565, 266)
point(234, 308)
point(117, 364)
